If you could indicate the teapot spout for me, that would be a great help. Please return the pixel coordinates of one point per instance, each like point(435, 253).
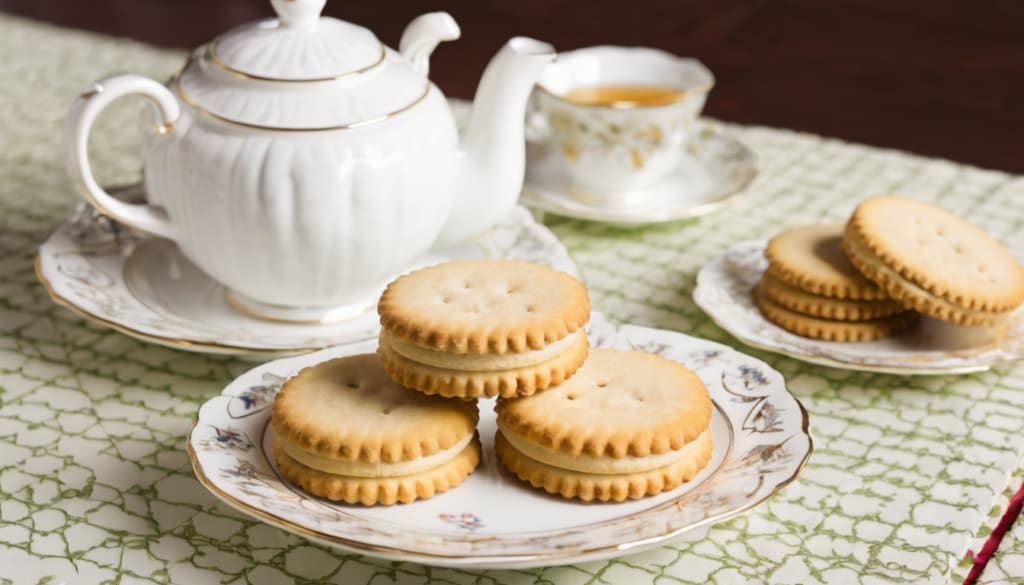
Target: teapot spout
point(493, 154)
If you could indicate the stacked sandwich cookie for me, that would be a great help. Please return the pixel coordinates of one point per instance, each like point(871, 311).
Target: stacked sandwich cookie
point(812, 289)
point(933, 261)
point(345, 431)
point(401, 425)
point(628, 424)
point(479, 328)
point(894, 259)
point(609, 426)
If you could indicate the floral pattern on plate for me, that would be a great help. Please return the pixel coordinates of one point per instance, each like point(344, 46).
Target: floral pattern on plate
point(724, 288)
point(761, 443)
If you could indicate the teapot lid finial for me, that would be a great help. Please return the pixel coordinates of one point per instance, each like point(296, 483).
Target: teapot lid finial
point(298, 45)
point(298, 13)
point(300, 71)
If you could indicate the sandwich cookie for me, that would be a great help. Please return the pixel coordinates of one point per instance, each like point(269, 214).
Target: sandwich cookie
point(475, 328)
point(811, 259)
point(811, 289)
point(933, 261)
point(628, 424)
point(806, 325)
point(800, 301)
point(345, 431)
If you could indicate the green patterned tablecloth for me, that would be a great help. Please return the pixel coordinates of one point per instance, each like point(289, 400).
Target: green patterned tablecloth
point(95, 484)
point(1008, 565)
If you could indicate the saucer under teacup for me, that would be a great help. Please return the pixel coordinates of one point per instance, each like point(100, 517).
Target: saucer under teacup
point(716, 167)
point(144, 287)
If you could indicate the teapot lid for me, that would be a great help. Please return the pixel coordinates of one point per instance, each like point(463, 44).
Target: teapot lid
point(300, 71)
point(298, 45)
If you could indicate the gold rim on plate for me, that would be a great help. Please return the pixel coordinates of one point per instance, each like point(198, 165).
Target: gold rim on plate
point(854, 366)
point(820, 359)
point(500, 560)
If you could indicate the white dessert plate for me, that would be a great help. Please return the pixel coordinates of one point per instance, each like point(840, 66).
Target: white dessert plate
point(724, 288)
point(492, 519)
point(716, 168)
point(142, 286)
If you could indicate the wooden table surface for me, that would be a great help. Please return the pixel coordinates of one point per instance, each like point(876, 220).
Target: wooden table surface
point(940, 78)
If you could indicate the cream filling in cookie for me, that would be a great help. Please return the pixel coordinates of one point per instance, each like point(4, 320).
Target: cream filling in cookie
point(601, 465)
point(480, 362)
point(373, 470)
point(868, 256)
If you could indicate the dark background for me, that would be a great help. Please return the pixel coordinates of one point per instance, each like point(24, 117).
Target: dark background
point(935, 77)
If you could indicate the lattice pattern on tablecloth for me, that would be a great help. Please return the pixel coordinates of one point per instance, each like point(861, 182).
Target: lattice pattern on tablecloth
point(1007, 565)
point(904, 468)
point(96, 484)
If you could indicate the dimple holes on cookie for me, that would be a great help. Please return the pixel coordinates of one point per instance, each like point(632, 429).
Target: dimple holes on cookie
point(530, 308)
point(602, 383)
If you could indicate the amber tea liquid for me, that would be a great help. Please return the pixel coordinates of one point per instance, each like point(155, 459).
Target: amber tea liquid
point(624, 96)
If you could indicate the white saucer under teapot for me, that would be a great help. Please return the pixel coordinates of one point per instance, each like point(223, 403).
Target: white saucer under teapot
point(302, 163)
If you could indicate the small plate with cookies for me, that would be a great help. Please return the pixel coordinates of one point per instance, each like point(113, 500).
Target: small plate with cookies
point(497, 423)
point(902, 287)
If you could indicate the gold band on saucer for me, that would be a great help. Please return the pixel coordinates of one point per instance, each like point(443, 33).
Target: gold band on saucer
point(208, 346)
point(564, 554)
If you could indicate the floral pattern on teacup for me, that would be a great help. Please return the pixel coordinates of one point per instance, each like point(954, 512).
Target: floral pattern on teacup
point(632, 143)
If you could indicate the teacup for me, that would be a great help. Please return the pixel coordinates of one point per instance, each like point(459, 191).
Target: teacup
point(620, 116)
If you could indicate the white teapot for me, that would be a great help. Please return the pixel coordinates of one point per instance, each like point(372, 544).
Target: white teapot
point(302, 163)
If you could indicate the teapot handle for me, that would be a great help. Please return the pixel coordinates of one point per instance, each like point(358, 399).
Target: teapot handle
point(80, 119)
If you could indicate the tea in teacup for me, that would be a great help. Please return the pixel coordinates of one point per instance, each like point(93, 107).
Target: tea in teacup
point(624, 95)
point(620, 116)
